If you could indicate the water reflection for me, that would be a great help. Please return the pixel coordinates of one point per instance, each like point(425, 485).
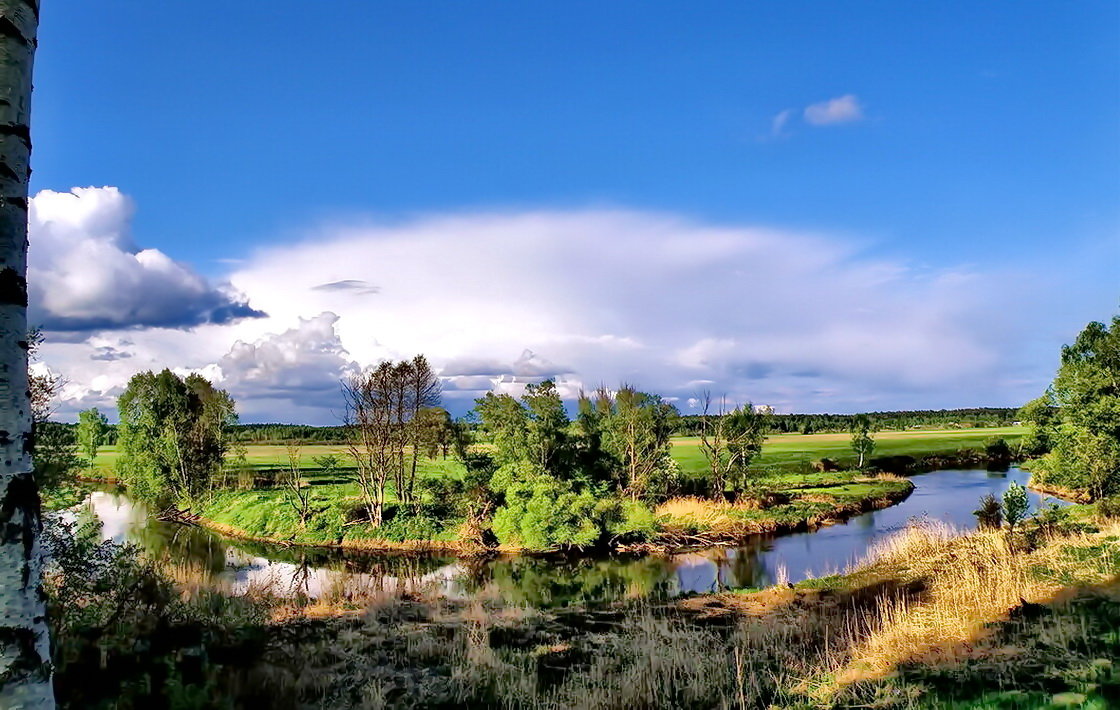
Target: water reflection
point(196, 556)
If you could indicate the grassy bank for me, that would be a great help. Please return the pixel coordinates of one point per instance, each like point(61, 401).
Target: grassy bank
point(931, 620)
point(791, 502)
point(788, 495)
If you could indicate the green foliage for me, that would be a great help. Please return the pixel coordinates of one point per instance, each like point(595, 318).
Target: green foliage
point(122, 635)
point(863, 443)
point(635, 429)
point(1015, 504)
point(1078, 419)
point(93, 426)
point(542, 512)
point(56, 455)
point(1109, 507)
point(989, 516)
point(172, 435)
point(729, 442)
point(327, 463)
point(997, 449)
point(629, 521)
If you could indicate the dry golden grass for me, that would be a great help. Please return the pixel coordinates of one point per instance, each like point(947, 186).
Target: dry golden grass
point(714, 517)
point(971, 581)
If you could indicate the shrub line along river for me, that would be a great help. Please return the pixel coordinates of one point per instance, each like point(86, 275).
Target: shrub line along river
point(197, 555)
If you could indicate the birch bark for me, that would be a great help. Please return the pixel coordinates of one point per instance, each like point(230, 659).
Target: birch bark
point(25, 667)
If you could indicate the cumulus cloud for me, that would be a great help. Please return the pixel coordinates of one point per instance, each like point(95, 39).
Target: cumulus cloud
point(85, 273)
point(842, 109)
point(803, 321)
point(297, 369)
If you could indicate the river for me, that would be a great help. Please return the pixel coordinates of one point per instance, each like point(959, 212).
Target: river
point(198, 556)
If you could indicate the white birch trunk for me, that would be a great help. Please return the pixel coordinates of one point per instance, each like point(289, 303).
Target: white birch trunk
point(25, 667)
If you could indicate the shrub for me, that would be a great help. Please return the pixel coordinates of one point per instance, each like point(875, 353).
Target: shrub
point(997, 449)
point(989, 516)
point(1014, 504)
point(1108, 507)
point(630, 521)
point(542, 512)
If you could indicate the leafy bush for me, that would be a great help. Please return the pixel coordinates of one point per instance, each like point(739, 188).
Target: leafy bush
point(629, 520)
point(1014, 504)
point(997, 449)
point(117, 619)
point(1109, 507)
point(404, 523)
point(542, 512)
point(989, 516)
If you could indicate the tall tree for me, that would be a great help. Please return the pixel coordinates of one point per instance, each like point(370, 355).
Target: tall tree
point(863, 443)
point(25, 667)
point(172, 434)
point(92, 429)
point(729, 440)
point(1079, 416)
point(636, 430)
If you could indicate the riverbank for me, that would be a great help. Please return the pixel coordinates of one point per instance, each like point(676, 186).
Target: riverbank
point(930, 620)
point(791, 503)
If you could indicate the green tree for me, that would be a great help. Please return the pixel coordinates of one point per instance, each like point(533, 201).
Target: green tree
point(1014, 505)
point(1078, 418)
point(863, 441)
point(172, 435)
point(93, 426)
point(729, 440)
point(637, 427)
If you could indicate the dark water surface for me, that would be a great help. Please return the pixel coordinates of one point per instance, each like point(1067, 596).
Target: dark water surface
point(201, 556)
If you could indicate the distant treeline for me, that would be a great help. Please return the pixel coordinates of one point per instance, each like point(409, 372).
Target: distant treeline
point(287, 433)
point(883, 421)
point(690, 424)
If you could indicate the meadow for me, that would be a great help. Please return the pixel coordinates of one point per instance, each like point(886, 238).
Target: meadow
point(781, 451)
point(789, 493)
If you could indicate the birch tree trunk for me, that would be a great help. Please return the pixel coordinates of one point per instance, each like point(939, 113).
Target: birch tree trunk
point(25, 667)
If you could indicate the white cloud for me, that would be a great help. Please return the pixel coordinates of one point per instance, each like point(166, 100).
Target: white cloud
point(794, 319)
point(85, 273)
point(296, 370)
point(801, 321)
point(778, 123)
point(842, 109)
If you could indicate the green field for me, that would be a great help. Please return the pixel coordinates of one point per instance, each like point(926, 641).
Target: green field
point(786, 451)
point(781, 451)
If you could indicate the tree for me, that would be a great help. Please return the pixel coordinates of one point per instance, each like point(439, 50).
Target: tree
point(729, 441)
point(56, 448)
point(1078, 418)
point(636, 431)
point(370, 423)
point(92, 429)
point(172, 435)
point(25, 667)
point(1015, 505)
point(296, 489)
point(384, 407)
point(863, 443)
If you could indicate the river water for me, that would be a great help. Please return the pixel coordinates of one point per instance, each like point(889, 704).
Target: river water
point(199, 556)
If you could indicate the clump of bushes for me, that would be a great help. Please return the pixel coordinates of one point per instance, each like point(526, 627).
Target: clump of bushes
point(989, 516)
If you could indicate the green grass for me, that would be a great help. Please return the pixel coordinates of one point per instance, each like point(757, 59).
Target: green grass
point(790, 451)
point(781, 451)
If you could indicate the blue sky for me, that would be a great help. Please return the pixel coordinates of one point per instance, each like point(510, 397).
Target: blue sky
point(977, 137)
